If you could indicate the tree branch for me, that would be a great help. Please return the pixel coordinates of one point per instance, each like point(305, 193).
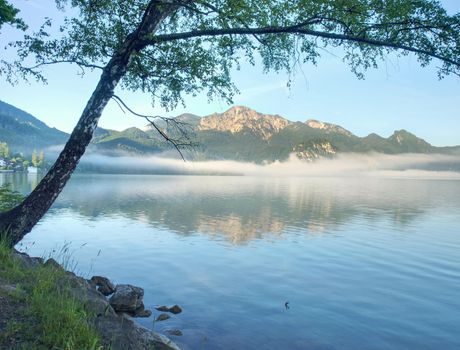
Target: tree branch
point(184, 129)
point(295, 29)
point(78, 63)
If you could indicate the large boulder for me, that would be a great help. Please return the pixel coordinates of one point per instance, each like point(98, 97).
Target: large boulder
point(127, 298)
point(87, 294)
point(104, 286)
point(121, 333)
point(27, 261)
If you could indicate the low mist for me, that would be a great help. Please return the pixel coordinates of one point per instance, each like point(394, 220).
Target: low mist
point(350, 164)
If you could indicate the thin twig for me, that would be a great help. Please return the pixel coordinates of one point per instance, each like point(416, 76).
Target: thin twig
point(183, 128)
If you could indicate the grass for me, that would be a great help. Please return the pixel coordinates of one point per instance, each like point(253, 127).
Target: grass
point(50, 317)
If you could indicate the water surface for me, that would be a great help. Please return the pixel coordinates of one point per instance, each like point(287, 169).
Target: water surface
point(364, 263)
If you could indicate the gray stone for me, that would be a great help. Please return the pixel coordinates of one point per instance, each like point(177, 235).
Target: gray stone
point(127, 298)
point(87, 294)
point(173, 309)
point(139, 312)
point(142, 312)
point(162, 317)
point(104, 286)
point(27, 261)
point(160, 341)
point(12, 289)
point(176, 332)
point(162, 308)
point(121, 333)
point(117, 332)
point(53, 263)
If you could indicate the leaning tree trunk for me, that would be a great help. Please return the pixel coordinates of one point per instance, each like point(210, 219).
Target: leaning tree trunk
point(16, 223)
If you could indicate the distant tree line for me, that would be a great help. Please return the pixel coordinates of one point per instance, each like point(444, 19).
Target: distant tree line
point(17, 161)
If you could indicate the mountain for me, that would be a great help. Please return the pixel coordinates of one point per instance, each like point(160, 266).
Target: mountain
point(244, 120)
point(131, 140)
point(24, 133)
point(240, 133)
point(244, 134)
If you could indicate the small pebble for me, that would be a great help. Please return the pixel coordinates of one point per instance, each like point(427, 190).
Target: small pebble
point(162, 317)
point(176, 332)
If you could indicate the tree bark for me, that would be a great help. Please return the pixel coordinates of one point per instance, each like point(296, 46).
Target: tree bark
point(19, 221)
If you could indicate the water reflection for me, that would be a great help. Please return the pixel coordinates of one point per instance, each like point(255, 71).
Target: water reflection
point(241, 209)
point(20, 182)
point(366, 263)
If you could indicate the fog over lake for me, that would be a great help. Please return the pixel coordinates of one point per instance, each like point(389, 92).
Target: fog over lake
point(344, 164)
point(365, 262)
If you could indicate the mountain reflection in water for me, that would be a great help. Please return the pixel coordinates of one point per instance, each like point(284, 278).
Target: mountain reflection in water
point(244, 208)
point(365, 263)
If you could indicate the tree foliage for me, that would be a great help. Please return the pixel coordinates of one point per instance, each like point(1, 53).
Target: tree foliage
point(195, 48)
point(8, 15)
point(4, 150)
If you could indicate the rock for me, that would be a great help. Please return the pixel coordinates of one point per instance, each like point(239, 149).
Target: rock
point(87, 294)
point(117, 332)
point(176, 332)
point(159, 341)
point(27, 261)
point(53, 263)
point(12, 289)
point(162, 317)
point(104, 286)
point(142, 312)
point(162, 308)
point(127, 298)
point(121, 333)
point(176, 309)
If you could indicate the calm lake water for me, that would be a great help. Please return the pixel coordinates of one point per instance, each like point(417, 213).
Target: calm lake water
point(364, 263)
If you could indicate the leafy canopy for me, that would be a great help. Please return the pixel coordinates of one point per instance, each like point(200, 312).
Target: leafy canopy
point(195, 48)
point(8, 15)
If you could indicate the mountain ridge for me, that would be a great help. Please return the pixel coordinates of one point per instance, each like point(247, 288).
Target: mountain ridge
point(24, 132)
point(240, 133)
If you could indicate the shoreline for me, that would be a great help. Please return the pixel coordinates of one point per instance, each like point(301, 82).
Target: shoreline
point(116, 330)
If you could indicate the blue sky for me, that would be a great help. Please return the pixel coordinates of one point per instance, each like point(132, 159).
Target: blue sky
point(399, 95)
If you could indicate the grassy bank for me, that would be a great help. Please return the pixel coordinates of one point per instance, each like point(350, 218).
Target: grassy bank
point(37, 308)
point(40, 311)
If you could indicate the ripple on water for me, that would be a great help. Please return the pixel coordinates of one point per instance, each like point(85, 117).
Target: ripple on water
point(365, 264)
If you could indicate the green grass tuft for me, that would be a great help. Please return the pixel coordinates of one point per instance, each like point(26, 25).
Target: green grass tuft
point(52, 318)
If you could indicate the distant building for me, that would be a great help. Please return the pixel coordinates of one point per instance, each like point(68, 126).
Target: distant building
point(2, 162)
point(32, 170)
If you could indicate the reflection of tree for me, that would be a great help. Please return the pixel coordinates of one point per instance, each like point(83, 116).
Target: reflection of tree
point(243, 208)
point(22, 183)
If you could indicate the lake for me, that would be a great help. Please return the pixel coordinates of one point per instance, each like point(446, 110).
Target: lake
point(364, 263)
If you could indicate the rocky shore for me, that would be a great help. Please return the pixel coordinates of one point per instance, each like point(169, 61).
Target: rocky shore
point(113, 307)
